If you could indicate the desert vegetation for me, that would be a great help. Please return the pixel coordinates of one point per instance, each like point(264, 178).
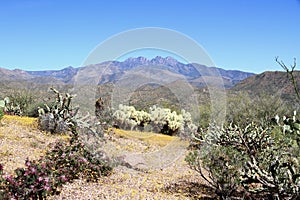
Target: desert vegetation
point(159, 120)
point(253, 154)
point(63, 162)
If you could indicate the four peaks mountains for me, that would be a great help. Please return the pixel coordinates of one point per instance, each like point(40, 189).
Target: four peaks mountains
point(112, 71)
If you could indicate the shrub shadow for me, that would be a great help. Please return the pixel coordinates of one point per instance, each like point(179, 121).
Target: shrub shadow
point(193, 190)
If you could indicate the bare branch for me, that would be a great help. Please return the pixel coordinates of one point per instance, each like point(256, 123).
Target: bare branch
point(290, 74)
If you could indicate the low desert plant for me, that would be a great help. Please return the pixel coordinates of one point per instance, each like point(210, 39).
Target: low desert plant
point(18, 102)
point(260, 160)
point(1, 113)
point(219, 165)
point(63, 163)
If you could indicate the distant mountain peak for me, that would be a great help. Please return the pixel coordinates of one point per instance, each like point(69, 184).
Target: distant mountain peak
point(139, 59)
point(169, 65)
point(158, 60)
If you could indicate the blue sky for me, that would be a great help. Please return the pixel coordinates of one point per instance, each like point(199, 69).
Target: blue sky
point(237, 34)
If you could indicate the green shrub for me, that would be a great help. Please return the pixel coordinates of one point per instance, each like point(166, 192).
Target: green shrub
point(1, 113)
point(262, 161)
point(33, 109)
point(219, 166)
point(18, 103)
point(204, 115)
point(243, 108)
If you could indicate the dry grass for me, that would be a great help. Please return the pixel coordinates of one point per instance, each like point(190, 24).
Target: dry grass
point(21, 139)
point(148, 137)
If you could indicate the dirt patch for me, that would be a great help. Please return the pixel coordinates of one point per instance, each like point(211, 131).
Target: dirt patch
point(20, 139)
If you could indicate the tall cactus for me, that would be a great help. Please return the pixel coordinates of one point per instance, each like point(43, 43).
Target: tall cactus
point(60, 117)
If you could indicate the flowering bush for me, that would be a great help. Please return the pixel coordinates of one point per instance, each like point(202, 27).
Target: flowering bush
point(63, 163)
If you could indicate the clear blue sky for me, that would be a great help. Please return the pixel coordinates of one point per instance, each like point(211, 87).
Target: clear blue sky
point(237, 34)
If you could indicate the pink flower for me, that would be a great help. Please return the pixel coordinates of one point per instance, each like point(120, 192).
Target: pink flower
point(47, 188)
point(64, 178)
point(9, 178)
point(40, 179)
point(46, 180)
point(33, 170)
point(27, 163)
point(26, 173)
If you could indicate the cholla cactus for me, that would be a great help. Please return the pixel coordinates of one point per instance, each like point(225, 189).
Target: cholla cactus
point(60, 117)
point(160, 119)
point(268, 158)
point(164, 120)
point(170, 122)
point(128, 117)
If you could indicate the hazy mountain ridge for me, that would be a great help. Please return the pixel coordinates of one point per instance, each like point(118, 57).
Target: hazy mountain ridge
point(65, 74)
point(15, 74)
point(271, 83)
point(114, 70)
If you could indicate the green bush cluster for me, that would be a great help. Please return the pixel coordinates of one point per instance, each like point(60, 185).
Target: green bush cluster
point(1, 114)
point(244, 108)
point(22, 103)
point(18, 103)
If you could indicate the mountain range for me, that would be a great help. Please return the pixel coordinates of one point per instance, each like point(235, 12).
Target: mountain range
point(125, 74)
point(112, 71)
